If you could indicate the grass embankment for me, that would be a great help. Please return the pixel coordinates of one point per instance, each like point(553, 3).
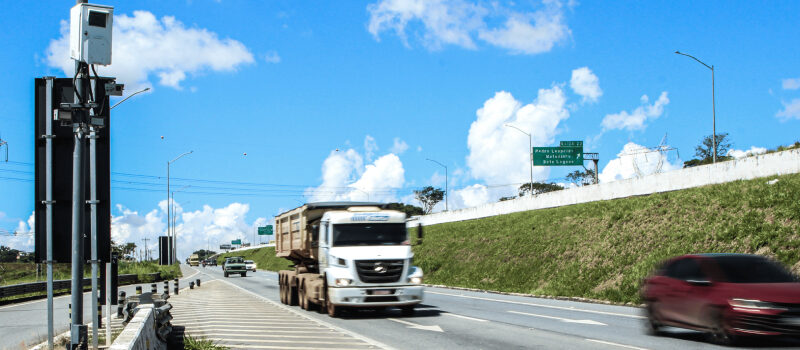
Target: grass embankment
point(603, 250)
point(264, 257)
point(16, 273)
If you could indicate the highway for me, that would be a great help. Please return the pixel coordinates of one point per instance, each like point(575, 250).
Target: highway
point(25, 324)
point(450, 319)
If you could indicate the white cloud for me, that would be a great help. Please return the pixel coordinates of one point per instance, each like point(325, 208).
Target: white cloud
point(144, 45)
point(471, 196)
point(195, 229)
point(457, 22)
point(346, 177)
point(370, 146)
point(399, 146)
point(585, 84)
point(636, 160)
point(735, 153)
point(791, 84)
point(272, 57)
point(499, 154)
point(22, 237)
point(530, 33)
point(636, 120)
point(790, 110)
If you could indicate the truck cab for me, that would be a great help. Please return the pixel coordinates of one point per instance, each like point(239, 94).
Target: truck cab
point(347, 255)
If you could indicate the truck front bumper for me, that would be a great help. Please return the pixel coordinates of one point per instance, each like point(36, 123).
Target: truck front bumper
point(377, 296)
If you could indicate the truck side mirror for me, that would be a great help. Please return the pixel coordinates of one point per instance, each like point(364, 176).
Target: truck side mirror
point(419, 233)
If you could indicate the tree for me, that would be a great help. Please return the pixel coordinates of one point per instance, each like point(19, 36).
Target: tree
point(204, 254)
point(581, 178)
point(410, 210)
point(538, 188)
point(429, 196)
point(705, 150)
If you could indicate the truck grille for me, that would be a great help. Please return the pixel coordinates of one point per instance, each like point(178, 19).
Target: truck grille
point(379, 271)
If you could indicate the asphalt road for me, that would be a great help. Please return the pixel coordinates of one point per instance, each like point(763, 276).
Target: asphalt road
point(24, 325)
point(450, 319)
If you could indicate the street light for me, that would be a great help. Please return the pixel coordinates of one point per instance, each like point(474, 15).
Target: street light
point(174, 218)
point(445, 181)
point(713, 106)
point(129, 96)
point(169, 206)
point(530, 149)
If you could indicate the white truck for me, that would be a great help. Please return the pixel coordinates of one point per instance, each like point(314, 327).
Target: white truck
point(347, 255)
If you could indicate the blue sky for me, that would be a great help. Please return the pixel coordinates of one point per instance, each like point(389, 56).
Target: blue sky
point(389, 84)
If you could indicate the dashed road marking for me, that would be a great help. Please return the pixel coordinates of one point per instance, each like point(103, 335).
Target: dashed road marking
point(616, 344)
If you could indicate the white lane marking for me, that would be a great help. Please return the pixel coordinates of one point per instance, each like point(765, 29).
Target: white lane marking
point(292, 341)
point(323, 323)
point(616, 344)
point(433, 328)
point(237, 335)
point(539, 305)
point(251, 346)
point(568, 320)
point(465, 317)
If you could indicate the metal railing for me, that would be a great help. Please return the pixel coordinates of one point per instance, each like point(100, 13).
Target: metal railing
point(35, 287)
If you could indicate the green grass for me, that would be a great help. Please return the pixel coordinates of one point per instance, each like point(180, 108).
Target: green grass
point(191, 343)
point(16, 273)
point(603, 250)
point(264, 257)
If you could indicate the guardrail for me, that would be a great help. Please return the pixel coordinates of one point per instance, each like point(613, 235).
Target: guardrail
point(34, 287)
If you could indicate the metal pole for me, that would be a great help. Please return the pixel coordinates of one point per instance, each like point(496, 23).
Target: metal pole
point(108, 303)
point(77, 328)
point(714, 116)
point(530, 147)
point(170, 260)
point(93, 224)
point(445, 189)
point(49, 206)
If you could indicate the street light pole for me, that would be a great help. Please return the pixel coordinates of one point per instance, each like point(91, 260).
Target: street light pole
point(129, 96)
point(713, 106)
point(174, 219)
point(530, 151)
point(445, 182)
point(172, 251)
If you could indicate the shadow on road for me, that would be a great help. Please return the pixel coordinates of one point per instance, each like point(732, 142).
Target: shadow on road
point(744, 342)
point(422, 310)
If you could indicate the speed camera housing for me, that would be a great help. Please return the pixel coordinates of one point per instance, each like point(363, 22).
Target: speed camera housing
point(90, 33)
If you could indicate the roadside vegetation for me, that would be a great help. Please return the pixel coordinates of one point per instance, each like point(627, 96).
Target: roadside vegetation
point(200, 343)
point(603, 250)
point(16, 273)
point(264, 257)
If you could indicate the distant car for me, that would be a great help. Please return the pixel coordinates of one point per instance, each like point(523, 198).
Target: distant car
point(251, 265)
point(211, 262)
point(234, 265)
point(725, 295)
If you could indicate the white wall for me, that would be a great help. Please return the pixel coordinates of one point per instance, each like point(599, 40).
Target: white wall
point(779, 163)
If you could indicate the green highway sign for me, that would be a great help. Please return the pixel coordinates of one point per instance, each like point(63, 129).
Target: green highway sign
point(556, 156)
point(266, 230)
point(236, 241)
point(571, 144)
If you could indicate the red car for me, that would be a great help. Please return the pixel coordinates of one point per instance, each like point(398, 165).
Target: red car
point(724, 295)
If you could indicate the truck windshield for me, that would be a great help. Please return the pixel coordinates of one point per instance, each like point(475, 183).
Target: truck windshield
point(368, 234)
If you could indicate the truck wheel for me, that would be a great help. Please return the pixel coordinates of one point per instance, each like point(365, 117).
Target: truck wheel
point(407, 310)
point(292, 295)
point(333, 310)
point(281, 289)
point(303, 297)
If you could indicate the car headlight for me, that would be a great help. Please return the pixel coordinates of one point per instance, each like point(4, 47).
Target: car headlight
point(343, 282)
point(415, 280)
point(753, 304)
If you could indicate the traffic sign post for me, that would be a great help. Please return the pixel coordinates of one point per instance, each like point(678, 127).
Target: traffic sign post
point(557, 156)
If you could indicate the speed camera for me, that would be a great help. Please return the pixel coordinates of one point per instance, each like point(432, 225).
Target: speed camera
point(90, 33)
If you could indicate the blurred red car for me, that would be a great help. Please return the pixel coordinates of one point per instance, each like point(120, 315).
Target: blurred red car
point(724, 295)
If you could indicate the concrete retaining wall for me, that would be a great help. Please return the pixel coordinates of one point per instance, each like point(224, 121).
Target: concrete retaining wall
point(779, 163)
point(140, 332)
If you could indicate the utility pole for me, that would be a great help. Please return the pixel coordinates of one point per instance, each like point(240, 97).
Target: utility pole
point(713, 106)
point(445, 182)
point(173, 252)
point(146, 257)
point(530, 150)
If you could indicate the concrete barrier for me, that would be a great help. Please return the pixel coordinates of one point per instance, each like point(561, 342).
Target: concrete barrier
point(778, 163)
point(140, 332)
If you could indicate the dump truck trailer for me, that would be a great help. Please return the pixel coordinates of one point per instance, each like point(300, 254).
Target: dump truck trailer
point(347, 255)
